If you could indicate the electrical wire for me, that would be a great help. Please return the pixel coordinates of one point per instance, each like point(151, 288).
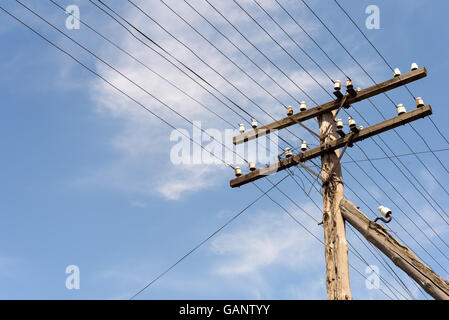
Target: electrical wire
point(241, 51)
point(427, 169)
point(142, 33)
point(390, 270)
point(413, 208)
point(313, 235)
point(198, 57)
point(284, 50)
point(134, 83)
point(311, 38)
point(294, 41)
point(264, 193)
point(113, 68)
point(366, 72)
point(399, 208)
point(166, 122)
point(359, 147)
point(396, 156)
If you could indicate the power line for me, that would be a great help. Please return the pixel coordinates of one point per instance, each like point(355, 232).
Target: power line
point(117, 71)
point(127, 22)
point(137, 29)
point(144, 65)
point(315, 204)
point(227, 57)
point(276, 42)
point(173, 64)
point(294, 41)
point(413, 185)
point(311, 38)
point(438, 130)
point(347, 186)
point(220, 51)
point(284, 50)
point(123, 75)
point(409, 204)
point(356, 110)
point(308, 231)
point(396, 205)
point(160, 26)
point(241, 51)
point(104, 79)
point(328, 93)
point(366, 72)
point(384, 264)
point(57, 47)
point(150, 47)
point(165, 51)
point(141, 62)
point(255, 47)
point(371, 79)
point(396, 156)
point(118, 47)
point(136, 84)
point(118, 89)
point(269, 181)
point(384, 118)
point(207, 239)
point(427, 169)
point(390, 270)
point(372, 45)
point(197, 56)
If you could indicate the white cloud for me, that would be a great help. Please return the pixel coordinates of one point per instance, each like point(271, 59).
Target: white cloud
point(139, 204)
point(188, 179)
point(309, 290)
point(269, 243)
point(142, 140)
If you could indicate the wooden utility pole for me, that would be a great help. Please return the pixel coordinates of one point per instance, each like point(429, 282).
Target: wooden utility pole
point(335, 209)
point(401, 256)
point(335, 244)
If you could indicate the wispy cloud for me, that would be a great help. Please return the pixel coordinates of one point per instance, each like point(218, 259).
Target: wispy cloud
point(269, 243)
point(142, 140)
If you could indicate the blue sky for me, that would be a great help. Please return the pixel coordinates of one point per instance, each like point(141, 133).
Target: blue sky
point(87, 177)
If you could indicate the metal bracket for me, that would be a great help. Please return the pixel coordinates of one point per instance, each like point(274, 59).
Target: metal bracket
point(310, 170)
point(342, 103)
point(351, 90)
point(305, 127)
point(341, 133)
point(381, 218)
point(304, 166)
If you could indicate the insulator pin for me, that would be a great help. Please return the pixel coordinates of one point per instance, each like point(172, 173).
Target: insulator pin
point(238, 171)
point(400, 109)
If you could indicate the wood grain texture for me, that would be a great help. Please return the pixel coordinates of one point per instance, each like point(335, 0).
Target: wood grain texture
point(332, 105)
point(335, 244)
point(401, 256)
